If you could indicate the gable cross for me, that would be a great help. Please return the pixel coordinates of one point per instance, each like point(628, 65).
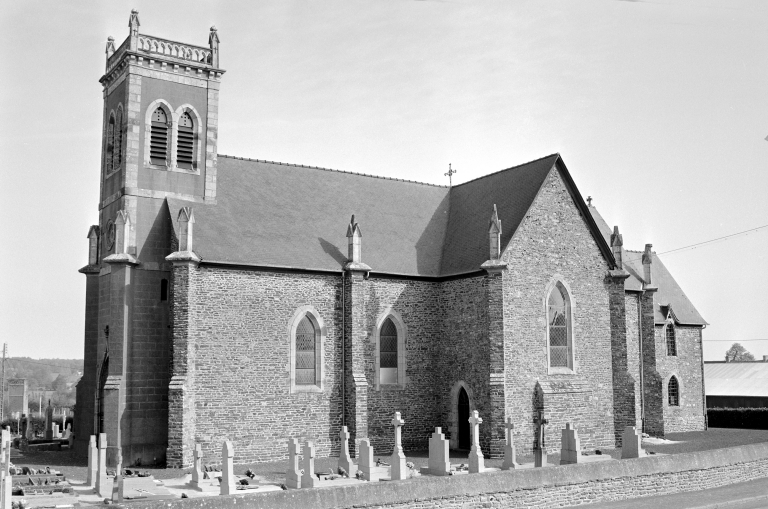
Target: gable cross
point(450, 174)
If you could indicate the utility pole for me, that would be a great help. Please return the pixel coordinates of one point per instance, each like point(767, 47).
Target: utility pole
point(2, 402)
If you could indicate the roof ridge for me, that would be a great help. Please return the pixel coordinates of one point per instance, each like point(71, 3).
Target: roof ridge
point(507, 169)
point(332, 169)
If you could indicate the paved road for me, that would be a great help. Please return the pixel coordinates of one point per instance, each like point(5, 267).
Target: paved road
point(747, 495)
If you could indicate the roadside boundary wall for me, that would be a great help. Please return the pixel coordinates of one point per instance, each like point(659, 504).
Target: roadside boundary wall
point(542, 487)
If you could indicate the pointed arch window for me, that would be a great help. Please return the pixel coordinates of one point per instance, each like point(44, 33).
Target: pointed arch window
point(673, 392)
point(671, 339)
point(306, 335)
point(388, 352)
point(110, 143)
point(559, 328)
point(118, 140)
point(158, 144)
point(185, 145)
point(389, 359)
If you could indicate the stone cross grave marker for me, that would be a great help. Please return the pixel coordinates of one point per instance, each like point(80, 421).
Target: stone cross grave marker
point(398, 471)
point(365, 461)
point(30, 431)
point(439, 459)
point(308, 462)
point(102, 487)
point(293, 475)
point(632, 443)
point(510, 454)
point(476, 458)
point(197, 466)
point(539, 447)
point(68, 431)
point(227, 469)
point(345, 460)
point(48, 421)
point(117, 483)
point(570, 446)
point(92, 461)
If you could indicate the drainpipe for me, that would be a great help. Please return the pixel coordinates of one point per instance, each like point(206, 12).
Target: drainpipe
point(703, 388)
point(642, 369)
point(343, 348)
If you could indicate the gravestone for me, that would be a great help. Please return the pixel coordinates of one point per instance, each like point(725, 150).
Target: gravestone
point(632, 443)
point(476, 458)
point(49, 421)
point(510, 455)
point(68, 431)
point(71, 441)
point(365, 459)
point(56, 433)
point(117, 482)
point(227, 469)
point(92, 462)
point(570, 446)
point(197, 467)
point(398, 471)
point(293, 475)
point(345, 460)
point(439, 459)
point(539, 447)
point(102, 486)
point(30, 430)
point(308, 464)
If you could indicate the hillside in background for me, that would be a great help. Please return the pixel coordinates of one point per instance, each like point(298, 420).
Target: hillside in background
point(47, 379)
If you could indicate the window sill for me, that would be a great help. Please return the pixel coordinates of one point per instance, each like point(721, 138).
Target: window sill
point(305, 388)
point(561, 371)
point(175, 169)
point(390, 387)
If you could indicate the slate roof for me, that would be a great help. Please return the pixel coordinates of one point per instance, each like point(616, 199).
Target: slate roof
point(736, 378)
point(669, 294)
point(280, 215)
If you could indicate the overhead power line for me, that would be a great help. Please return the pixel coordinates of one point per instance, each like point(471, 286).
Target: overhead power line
point(714, 240)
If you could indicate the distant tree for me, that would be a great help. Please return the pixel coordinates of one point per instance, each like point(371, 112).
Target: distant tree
point(738, 353)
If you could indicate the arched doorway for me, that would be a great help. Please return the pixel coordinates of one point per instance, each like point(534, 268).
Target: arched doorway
point(463, 418)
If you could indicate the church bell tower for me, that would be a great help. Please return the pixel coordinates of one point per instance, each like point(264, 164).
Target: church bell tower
point(160, 130)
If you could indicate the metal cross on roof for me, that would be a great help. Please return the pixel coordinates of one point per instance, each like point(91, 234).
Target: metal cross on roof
point(589, 201)
point(450, 174)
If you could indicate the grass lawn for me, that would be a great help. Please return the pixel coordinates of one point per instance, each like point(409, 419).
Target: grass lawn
point(714, 438)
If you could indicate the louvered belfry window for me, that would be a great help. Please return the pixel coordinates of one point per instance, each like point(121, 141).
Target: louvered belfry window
point(118, 148)
point(306, 345)
point(185, 148)
point(110, 143)
point(158, 144)
point(559, 328)
point(673, 392)
point(388, 352)
point(671, 341)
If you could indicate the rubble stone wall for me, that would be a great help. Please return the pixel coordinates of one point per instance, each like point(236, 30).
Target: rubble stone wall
point(554, 243)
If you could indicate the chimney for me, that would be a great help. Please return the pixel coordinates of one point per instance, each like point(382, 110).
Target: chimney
point(213, 42)
point(494, 235)
point(186, 222)
point(122, 232)
point(617, 243)
point(354, 236)
point(647, 261)
point(93, 245)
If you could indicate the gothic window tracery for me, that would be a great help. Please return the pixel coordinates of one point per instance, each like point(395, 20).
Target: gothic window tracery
point(559, 328)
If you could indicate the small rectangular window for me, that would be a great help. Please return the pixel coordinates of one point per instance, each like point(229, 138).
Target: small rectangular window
point(164, 289)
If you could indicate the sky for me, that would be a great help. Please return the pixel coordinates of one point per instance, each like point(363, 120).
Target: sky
point(659, 109)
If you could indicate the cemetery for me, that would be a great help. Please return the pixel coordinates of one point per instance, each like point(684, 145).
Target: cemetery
point(571, 475)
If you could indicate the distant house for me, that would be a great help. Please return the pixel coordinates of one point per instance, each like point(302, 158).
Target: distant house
point(736, 384)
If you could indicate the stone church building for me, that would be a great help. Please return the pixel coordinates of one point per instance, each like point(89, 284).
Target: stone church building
point(233, 298)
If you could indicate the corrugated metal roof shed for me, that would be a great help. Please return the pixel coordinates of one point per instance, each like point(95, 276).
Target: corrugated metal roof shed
point(736, 378)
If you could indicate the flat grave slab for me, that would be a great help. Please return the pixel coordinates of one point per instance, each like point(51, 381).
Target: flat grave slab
point(144, 488)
